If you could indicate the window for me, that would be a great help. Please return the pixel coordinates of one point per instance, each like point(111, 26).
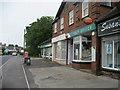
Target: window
point(86, 48)
point(76, 51)
point(62, 23)
point(82, 48)
point(106, 2)
point(84, 8)
point(76, 48)
point(71, 17)
point(55, 28)
point(60, 50)
point(111, 53)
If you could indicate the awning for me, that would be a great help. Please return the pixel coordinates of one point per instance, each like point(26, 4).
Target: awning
point(45, 45)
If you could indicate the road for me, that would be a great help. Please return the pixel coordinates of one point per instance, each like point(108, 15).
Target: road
point(13, 73)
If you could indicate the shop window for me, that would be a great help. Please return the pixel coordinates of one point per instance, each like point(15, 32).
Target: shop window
point(76, 51)
point(71, 17)
point(111, 54)
point(76, 48)
point(60, 50)
point(86, 48)
point(84, 8)
point(117, 54)
point(82, 48)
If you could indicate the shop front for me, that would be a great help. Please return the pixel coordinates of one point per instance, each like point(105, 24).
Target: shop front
point(82, 45)
point(46, 50)
point(109, 32)
point(59, 49)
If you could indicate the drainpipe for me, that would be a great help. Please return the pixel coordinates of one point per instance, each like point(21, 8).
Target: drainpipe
point(67, 51)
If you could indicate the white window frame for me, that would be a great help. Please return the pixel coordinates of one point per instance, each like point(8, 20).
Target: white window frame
point(55, 28)
point(112, 68)
point(80, 51)
point(62, 23)
point(71, 17)
point(85, 8)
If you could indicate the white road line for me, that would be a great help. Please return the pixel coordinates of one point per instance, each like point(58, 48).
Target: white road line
point(4, 64)
point(26, 78)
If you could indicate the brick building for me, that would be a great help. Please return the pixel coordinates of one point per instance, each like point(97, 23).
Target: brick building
point(73, 41)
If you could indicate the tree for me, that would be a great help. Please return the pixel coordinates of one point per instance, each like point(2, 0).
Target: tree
point(38, 32)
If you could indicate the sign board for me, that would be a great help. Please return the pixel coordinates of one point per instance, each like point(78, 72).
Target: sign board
point(81, 30)
point(109, 27)
point(59, 38)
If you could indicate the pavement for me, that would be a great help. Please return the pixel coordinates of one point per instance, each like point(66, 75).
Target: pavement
point(48, 74)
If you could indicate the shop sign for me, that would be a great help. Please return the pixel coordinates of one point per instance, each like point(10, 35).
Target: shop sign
point(59, 38)
point(45, 45)
point(88, 20)
point(81, 30)
point(109, 27)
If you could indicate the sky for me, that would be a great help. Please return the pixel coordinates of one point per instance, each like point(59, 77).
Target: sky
point(16, 14)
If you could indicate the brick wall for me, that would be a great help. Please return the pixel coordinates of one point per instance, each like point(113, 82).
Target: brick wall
point(95, 11)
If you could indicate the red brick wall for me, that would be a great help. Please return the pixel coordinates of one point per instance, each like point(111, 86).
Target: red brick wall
point(81, 66)
point(94, 12)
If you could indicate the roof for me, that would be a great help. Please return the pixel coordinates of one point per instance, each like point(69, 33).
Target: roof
point(59, 12)
point(112, 13)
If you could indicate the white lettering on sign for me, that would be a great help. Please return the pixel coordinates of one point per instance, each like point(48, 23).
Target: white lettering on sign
point(106, 26)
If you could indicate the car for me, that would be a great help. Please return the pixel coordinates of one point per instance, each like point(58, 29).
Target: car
point(14, 54)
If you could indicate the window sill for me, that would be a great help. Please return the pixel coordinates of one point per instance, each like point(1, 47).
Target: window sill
point(71, 24)
point(84, 17)
point(59, 59)
point(110, 69)
point(61, 29)
point(55, 32)
point(81, 61)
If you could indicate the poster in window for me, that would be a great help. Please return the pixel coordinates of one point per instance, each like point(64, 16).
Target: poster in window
point(93, 53)
point(77, 52)
point(109, 48)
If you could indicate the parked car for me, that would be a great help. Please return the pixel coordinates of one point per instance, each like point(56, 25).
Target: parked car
point(14, 54)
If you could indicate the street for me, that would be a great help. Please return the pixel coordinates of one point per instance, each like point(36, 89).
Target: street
point(46, 74)
point(13, 73)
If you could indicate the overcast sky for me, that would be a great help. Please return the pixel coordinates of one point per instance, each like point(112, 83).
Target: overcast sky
point(16, 14)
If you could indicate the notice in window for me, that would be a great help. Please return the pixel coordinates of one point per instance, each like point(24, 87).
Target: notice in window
point(93, 53)
point(109, 48)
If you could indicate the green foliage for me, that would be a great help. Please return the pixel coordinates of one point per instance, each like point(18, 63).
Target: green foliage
point(38, 32)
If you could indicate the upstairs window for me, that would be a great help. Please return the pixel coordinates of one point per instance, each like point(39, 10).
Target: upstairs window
point(84, 8)
point(55, 28)
point(62, 23)
point(71, 17)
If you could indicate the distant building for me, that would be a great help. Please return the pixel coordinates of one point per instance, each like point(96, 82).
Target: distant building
point(0, 48)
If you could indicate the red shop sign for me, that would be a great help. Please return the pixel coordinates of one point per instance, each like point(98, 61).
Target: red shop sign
point(88, 20)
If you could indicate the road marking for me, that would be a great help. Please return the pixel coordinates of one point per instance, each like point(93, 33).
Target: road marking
point(26, 78)
point(4, 64)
